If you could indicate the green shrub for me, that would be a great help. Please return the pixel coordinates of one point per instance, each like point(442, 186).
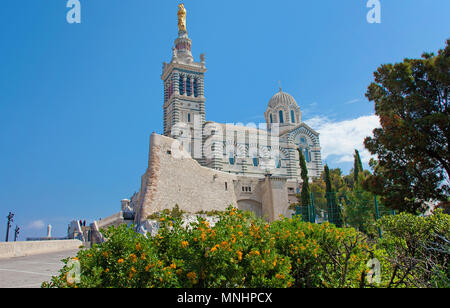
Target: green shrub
point(241, 251)
point(418, 249)
point(322, 255)
point(237, 252)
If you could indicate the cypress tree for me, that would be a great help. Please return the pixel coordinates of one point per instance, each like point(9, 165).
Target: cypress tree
point(328, 179)
point(306, 192)
point(357, 167)
point(334, 213)
point(305, 196)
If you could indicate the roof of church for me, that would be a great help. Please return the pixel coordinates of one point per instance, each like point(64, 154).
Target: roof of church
point(282, 98)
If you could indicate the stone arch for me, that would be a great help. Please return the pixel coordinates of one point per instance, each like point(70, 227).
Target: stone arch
point(251, 206)
point(305, 132)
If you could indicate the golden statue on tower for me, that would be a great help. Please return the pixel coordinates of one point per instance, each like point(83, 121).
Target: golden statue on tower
point(181, 17)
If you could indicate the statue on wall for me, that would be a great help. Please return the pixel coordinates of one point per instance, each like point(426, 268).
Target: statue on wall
point(181, 17)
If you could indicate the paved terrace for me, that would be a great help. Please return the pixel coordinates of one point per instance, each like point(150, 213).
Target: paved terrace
point(31, 271)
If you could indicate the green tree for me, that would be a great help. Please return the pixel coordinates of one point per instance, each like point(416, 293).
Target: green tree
point(318, 190)
point(334, 211)
point(411, 99)
point(417, 249)
point(359, 211)
point(305, 197)
point(358, 167)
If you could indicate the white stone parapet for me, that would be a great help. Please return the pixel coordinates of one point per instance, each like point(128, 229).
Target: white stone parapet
point(22, 249)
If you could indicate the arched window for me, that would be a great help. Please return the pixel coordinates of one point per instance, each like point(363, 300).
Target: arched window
point(196, 87)
point(307, 156)
point(292, 116)
point(181, 85)
point(278, 163)
point(271, 118)
point(231, 157)
point(281, 116)
point(189, 118)
point(188, 86)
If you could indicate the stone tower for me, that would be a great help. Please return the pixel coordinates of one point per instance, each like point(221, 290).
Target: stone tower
point(184, 95)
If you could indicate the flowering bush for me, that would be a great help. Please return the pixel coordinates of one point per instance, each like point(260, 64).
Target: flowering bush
point(323, 255)
point(240, 251)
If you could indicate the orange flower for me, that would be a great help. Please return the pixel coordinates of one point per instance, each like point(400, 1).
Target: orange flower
point(192, 276)
point(239, 253)
point(184, 244)
point(215, 248)
point(173, 265)
point(107, 270)
point(120, 261)
point(138, 246)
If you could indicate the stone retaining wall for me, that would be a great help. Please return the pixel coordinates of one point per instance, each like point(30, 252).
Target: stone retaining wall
point(22, 249)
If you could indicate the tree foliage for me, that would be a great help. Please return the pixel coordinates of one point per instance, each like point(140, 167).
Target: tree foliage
point(357, 168)
point(418, 250)
point(412, 101)
point(305, 197)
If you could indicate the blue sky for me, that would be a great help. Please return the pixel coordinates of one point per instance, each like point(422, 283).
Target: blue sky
point(78, 102)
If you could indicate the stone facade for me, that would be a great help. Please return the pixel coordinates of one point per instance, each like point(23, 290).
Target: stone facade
point(180, 180)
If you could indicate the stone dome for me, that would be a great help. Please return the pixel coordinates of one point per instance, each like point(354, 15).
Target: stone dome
point(282, 99)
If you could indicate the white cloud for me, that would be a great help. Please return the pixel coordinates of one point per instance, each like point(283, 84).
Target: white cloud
point(353, 101)
point(340, 139)
point(36, 225)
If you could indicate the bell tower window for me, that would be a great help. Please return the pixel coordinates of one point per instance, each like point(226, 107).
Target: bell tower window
point(181, 85)
point(292, 116)
point(188, 86)
point(196, 87)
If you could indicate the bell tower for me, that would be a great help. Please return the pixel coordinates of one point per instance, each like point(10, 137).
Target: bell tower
point(183, 79)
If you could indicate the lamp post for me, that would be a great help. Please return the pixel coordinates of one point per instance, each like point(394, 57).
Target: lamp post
point(16, 233)
point(10, 220)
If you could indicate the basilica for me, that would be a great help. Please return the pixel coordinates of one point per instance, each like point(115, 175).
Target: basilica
point(206, 166)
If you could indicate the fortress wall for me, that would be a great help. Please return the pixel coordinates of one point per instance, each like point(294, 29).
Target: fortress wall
point(173, 177)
